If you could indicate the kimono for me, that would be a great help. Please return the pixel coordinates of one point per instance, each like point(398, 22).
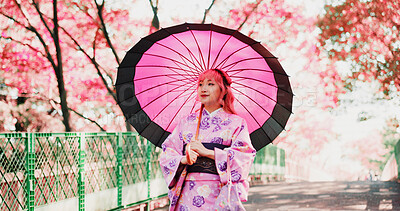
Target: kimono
point(199, 191)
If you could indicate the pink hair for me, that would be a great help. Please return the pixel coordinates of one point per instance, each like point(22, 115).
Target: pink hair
point(224, 82)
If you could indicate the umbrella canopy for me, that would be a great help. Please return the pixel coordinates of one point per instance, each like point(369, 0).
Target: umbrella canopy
point(157, 80)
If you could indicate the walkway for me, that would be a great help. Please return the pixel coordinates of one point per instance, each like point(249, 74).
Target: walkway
point(362, 195)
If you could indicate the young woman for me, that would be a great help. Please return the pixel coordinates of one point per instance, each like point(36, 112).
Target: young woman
point(195, 170)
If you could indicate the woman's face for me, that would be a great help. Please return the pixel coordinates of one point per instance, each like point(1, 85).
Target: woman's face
point(209, 92)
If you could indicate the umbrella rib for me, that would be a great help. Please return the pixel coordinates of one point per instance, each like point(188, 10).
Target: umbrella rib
point(209, 48)
point(189, 51)
point(181, 55)
point(166, 83)
point(159, 96)
point(174, 114)
point(193, 73)
point(198, 47)
point(253, 101)
point(261, 106)
point(179, 109)
point(157, 76)
point(177, 97)
point(253, 117)
point(242, 60)
point(248, 112)
point(237, 71)
point(171, 68)
point(254, 90)
point(230, 55)
point(261, 82)
point(220, 50)
point(167, 58)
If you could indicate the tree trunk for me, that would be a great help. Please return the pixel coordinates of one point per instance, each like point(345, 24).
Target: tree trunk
point(59, 72)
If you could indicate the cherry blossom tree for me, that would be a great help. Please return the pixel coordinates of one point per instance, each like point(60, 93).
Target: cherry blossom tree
point(57, 46)
point(366, 35)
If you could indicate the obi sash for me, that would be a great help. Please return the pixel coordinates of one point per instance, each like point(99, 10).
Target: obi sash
point(204, 164)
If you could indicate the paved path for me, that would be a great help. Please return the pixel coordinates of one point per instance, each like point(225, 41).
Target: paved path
point(362, 195)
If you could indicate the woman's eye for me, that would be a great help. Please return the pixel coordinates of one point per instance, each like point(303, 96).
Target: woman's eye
point(210, 84)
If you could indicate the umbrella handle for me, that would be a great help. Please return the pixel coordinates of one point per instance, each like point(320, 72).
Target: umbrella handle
point(189, 161)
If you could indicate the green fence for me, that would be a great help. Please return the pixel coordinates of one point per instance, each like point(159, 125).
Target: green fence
point(89, 171)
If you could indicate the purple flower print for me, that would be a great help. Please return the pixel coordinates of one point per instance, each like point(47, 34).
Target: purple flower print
point(198, 201)
point(205, 124)
point(191, 117)
point(216, 120)
point(181, 136)
point(174, 200)
point(217, 128)
point(235, 176)
point(222, 166)
point(163, 147)
point(226, 122)
point(166, 170)
point(241, 128)
point(217, 140)
point(189, 136)
point(192, 184)
point(238, 144)
point(172, 163)
point(183, 208)
point(205, 113)
point(231, 154)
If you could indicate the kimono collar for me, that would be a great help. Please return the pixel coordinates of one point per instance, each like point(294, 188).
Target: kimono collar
point(206, 113)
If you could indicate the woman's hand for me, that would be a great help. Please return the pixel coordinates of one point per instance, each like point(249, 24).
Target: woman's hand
point(192, 156)
point(198, 147)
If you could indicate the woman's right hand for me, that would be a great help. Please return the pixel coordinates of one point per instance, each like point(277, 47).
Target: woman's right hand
point(191, 157)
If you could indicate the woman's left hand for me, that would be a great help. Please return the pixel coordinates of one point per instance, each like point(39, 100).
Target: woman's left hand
point(198, 147)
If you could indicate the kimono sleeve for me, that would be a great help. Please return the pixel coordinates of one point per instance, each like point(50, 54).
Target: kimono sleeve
point(171, 155)
point(241, 155)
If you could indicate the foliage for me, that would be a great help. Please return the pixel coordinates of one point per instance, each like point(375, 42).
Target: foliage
point(391, 137)
point(366, 35)
point(29, 59)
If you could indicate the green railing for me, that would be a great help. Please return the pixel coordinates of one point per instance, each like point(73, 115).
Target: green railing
point(89, 171)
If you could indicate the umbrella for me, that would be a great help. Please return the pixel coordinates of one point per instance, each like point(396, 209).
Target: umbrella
point(156, 81)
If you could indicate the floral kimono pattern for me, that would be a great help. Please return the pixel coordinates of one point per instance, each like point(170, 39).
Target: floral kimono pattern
point(198, 191)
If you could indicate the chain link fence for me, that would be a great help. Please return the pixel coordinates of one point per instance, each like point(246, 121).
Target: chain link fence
point(90, 171)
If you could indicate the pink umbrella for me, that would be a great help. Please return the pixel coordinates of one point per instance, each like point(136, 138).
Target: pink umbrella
point(156, 82)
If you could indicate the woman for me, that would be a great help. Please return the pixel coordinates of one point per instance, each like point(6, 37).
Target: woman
point(195, 180)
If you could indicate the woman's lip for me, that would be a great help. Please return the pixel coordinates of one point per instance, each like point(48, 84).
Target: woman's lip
point(203, 95)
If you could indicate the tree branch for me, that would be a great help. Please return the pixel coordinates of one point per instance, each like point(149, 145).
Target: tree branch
point(100, 8)
point(248, 15)
point(22, 12)
point(207, 11)
point(33, 29)
point(155, 22)
point(52, 102)
point(25, 44)
point(36, 5)
point(94, 62)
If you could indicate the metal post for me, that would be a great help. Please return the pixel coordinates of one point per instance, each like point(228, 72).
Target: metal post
point(119, 169)
point(81, 172)
point(30, 171)
point(148, 170)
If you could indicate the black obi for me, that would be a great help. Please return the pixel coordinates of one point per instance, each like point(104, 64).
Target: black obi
point(204, 164)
